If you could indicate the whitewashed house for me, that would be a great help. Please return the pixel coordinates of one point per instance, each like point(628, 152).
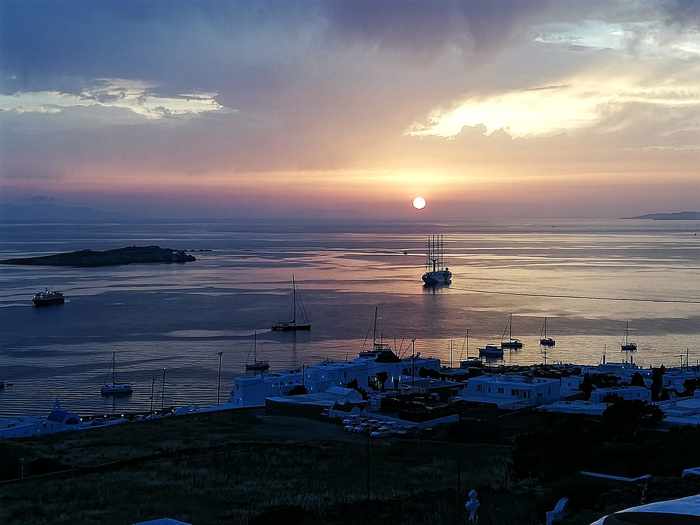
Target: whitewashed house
point(599, 395)
point(512, 390)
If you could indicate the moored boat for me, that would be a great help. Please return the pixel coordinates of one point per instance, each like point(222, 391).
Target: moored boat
point(294, 325)
point(48, 298)
point(256, 366)
point(438, 274)
point(510, 343)
point(628, 346)
point(493, 351)
point(115, 389)
point(544, 340)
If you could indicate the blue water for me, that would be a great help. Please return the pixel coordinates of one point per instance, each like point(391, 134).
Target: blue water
point(588, 277)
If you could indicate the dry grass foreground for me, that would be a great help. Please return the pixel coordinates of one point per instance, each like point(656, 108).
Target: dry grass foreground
point(240, 468)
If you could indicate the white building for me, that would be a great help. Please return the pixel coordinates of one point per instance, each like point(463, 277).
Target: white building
point(599, 395)
point(512, 390)
point(251, 391)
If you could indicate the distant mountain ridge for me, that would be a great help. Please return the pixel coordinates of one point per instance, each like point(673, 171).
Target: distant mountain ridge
point(670, 216)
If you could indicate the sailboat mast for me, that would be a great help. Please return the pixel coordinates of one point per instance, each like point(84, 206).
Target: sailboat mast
point(374, 330)
point(255, 345)
point(114, 371)
point(510, 328)
point(294, 300)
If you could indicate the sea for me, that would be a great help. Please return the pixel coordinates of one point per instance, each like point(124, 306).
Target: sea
point(168, 323)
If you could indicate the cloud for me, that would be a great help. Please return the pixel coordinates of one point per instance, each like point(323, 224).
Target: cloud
point(578, 103)
point(135, 96)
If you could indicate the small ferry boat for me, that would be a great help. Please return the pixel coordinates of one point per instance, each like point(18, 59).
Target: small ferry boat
point(48, 298)
point(544, 340)
point(492, 351)
point(256, 366)
point(438, 274)
point(115, 389)
point(628, 346)
point(510, 343)
point(293, 325)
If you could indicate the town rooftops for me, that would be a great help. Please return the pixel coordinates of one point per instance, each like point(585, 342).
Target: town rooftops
point(513, 380)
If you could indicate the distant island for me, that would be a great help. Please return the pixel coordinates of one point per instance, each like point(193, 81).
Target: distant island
point(116, 257)
point(671, 216)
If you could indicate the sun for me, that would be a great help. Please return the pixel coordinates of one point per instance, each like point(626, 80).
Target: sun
point(419, 203)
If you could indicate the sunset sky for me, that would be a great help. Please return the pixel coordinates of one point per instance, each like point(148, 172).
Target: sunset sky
point(349, 109)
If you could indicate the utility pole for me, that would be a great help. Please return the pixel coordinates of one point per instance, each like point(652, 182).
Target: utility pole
point(369, 468)
point(218, 381)
point(162, 396)
point(413, 362)
point(467, 343)
point(153, 387)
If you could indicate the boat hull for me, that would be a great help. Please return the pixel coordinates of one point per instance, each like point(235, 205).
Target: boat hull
point(439, 278)
point(48, 302)
point(257, 367)
point(116, 390)
point(511, 345)
point(291, 327)
point(547, 341)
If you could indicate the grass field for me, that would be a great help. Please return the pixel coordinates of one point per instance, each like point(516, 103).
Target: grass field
point(253, 468)
point(243, 468)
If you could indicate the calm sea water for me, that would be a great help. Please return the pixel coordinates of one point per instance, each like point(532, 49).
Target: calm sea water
point(588, 277)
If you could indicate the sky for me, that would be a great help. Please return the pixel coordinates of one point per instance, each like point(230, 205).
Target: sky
point(348, 109)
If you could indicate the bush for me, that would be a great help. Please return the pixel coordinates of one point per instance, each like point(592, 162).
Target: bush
point(623, 418)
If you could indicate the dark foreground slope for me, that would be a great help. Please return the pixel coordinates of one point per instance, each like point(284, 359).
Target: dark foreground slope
point(250, 468)
point(116, 257)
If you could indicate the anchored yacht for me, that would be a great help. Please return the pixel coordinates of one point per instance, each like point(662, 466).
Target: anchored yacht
point(294, 325)
point(48, 298)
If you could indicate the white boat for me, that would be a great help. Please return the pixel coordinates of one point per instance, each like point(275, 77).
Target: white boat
point(510, 343)
point(438, 274)
point(47, 298)
point(492, 351)
point(256, 366)
point(628, 346)
point(116, 389)
point(544, 340)
point(294, 325)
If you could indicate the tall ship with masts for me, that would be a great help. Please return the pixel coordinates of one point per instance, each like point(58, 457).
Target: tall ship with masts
point(294, 324)
point(437, 273)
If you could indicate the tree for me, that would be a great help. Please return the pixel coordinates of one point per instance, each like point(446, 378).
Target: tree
point(586, 386)
point(657, 383)
point(637, 380)
point(623, 418)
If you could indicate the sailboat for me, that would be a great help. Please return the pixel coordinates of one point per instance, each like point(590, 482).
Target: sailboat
point(628, 346)
point(510, 344)
point(544, 340)
point(256, 366)
point(380, 349)
point(293, 325)
point(437, 274)
point(114, 388)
